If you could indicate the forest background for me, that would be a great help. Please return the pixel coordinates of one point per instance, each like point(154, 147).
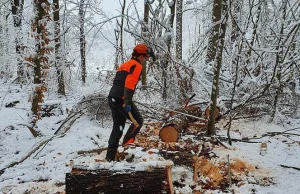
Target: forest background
point(242, 56)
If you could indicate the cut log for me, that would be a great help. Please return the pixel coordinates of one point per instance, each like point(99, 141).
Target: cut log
point(194, 110)
point(178, 158)
point(177, 123)
point(157, 180)
point(169, 133)
point(198, 125)
point(217, 113)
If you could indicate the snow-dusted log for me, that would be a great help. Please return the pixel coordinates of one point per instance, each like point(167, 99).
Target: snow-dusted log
point(152, 181)
point(178, 158)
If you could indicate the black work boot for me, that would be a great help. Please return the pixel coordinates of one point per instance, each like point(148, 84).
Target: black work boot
point(111, 154)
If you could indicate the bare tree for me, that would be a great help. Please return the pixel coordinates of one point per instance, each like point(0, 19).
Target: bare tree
point(119, 38)
point(17, 10)
point(166, 60)
point(82, 40)
point(58, 53)
point(146, 36)
point(179, 30)
point(214, 55)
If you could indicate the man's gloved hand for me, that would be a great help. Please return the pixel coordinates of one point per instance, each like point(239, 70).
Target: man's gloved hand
point(127, 108)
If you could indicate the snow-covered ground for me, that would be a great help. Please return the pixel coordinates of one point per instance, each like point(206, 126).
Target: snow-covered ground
point(45, 170)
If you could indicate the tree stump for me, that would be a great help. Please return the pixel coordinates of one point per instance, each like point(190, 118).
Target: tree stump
point(156, 180)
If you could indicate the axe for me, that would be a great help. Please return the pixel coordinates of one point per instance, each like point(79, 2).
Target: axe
point(135, 123)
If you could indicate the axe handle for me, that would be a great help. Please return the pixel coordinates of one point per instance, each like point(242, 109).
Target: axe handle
point(133, 120)
point(188, 100)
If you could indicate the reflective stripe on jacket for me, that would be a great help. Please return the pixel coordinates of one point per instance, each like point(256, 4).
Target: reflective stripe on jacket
point(127, 76)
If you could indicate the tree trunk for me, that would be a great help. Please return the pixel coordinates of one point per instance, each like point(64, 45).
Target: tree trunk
point(279, 60)
point(17, 10)
point(121, 32)
point(165, 61)
point(153, 181)
point(58, 58)
point(236, 5)
point(214, 56)
point(146, 36)
point(40, 59)
point(82, 41)
point(179, 30)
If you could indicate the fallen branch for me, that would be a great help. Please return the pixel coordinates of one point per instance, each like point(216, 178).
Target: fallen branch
point(37, 147)
point(69, 120)
point(99, 151)
point(271, 134)
point(293, 167)
point(34, 132)
point(221, 143)
point(246, 140)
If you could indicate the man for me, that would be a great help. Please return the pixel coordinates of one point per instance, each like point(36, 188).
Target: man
point(120, 99)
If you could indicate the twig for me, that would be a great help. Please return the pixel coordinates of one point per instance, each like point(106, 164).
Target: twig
point(50, 139)
point(280, 133)
point(293, 167)
point(229, 171)
point(246, 140)
point(219, 141)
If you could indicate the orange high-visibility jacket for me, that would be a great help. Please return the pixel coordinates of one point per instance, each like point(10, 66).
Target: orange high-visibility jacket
point(127, 77)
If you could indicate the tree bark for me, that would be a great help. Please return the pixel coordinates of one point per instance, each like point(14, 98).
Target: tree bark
point(157, 180)
point(40, 59)
point(146, 36)
point(178, 158)
point(82, 41)
point(279, 61)
point(179, 30)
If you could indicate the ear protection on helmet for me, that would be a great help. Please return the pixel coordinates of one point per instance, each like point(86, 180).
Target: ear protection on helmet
point(151, 53)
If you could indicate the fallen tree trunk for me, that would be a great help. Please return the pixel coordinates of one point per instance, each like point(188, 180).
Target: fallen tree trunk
point(178, 158)
point(193, 110)
point(178, 121)
point(156, 180)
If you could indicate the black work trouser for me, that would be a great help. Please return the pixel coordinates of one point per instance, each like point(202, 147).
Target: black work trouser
point(119, 119)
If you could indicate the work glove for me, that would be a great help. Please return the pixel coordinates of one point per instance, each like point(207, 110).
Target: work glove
point(127, 108)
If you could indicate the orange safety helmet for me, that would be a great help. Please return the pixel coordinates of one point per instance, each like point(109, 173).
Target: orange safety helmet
point(141, 49)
